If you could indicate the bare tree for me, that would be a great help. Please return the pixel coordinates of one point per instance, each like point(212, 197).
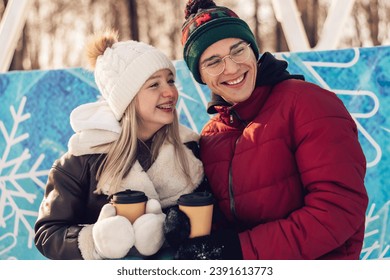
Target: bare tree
point(133, 17)
point(357, 41)
point(280, 39)
point(309, 10)
point(55, 31)
point(370, 23)
point(3, 3)
point(372, 11)
point(256, 19)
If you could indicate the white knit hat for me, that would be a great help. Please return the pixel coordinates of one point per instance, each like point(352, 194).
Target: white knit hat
point(122, 70)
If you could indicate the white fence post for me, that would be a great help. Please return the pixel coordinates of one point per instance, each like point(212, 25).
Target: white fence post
point(11, 27)
point(287, 14)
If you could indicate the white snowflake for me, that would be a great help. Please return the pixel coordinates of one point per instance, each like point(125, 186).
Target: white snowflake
point(377, 238)
point(17, 204)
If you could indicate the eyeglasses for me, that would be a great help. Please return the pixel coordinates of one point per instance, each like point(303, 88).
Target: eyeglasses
point(216, 65)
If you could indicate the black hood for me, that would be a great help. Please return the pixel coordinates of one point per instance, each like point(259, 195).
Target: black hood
point(270, 71)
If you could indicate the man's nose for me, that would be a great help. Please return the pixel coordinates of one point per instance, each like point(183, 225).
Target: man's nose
point(230, 65)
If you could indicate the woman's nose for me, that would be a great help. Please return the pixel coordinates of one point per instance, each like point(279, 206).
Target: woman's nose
point(169, 91)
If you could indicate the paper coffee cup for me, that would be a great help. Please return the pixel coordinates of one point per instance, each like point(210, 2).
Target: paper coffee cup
point(130, 204)
point(198, 206)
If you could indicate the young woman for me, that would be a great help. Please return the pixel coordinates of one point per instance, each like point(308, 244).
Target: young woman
point(130, 139)
point(281, 155)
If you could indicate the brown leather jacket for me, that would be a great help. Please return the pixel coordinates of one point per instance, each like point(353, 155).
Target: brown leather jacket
point(69, 202)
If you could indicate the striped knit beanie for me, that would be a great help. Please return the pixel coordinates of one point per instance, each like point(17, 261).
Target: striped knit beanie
point(206, 24)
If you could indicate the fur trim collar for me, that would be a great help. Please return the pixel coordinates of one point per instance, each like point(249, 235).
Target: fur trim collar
point(164, 181)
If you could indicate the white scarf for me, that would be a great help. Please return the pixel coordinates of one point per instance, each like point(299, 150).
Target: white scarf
point(95, 124)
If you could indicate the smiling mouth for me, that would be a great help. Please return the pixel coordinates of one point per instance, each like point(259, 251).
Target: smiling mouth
point(235, 81)
point(166, 106)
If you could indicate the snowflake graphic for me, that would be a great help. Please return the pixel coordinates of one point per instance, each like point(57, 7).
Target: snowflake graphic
point(362, 83)
point(377, 238)
point(18, 210)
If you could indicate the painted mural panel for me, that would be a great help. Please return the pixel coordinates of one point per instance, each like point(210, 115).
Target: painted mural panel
point(34, 130)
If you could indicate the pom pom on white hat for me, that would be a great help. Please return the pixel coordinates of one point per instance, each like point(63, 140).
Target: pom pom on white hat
point(122, 70)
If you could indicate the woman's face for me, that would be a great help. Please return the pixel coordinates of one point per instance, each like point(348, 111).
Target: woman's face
point(156, 103)
point(237, 81)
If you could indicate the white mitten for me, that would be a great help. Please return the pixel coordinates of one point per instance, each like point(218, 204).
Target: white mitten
point(148, 229)
point(113, 235)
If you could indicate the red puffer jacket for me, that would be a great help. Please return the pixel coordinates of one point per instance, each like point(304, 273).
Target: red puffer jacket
point(296, 172)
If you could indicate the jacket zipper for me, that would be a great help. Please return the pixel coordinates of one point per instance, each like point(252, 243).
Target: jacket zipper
point(233, 114)
point(231, 192)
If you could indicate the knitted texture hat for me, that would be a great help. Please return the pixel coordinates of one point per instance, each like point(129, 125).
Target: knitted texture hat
point(206, 24)
point(122, 70)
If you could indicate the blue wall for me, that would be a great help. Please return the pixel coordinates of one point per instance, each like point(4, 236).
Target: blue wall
point(34, 130)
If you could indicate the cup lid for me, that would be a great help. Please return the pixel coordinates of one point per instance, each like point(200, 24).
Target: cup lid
point(129, 196)
point(196, 199)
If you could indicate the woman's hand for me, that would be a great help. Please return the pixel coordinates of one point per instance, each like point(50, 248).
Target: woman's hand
point(113, 235)
point(148, 229)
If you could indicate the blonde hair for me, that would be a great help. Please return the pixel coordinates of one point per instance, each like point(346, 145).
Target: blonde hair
point(122, 153)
